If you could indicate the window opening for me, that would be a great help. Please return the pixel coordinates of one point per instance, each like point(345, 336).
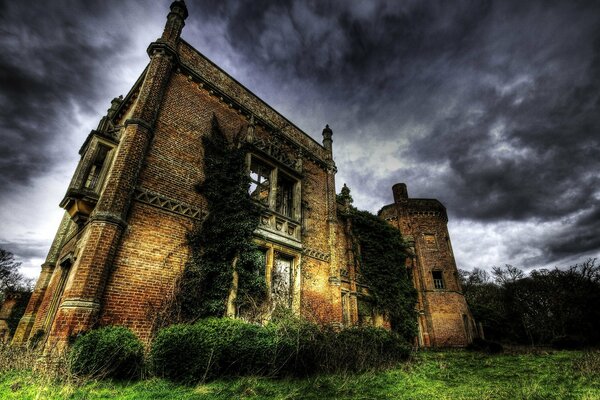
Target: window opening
point(260, 185)
point(285, 196)
point(438, 279)
point(93, 175)
point(281, 277)
point(365, 312)
point(345, 308)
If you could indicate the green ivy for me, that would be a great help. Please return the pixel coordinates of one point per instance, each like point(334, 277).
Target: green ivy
point(382, 257)
point(224, 234)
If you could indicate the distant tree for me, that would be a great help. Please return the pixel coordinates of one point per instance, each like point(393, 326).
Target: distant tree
point(539, 307)
point(10, 278)
point(506, 274)
point(484, 297)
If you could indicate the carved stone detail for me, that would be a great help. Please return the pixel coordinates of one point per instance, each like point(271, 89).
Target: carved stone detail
point(314, 253)
point(273, 148)
point(154, 199)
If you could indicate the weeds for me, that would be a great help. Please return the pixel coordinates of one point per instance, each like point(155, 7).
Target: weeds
point(588, 364)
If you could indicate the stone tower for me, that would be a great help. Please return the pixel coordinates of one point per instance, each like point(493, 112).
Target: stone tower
point(444, 317)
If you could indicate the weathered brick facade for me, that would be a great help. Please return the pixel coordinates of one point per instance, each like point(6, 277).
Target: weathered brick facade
point(122, 242)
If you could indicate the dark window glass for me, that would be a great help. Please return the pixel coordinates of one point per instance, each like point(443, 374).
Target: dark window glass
point(438, 279)
point(285, 197)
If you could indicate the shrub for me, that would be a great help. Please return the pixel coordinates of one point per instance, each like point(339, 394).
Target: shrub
point(486, 346)
point(212, 347)
point(300, 346)
point(227, 347)
point(366, 348)
point(112, 351)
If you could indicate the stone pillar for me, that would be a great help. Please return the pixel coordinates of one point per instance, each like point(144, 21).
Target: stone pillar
point(81, 303)
point(26, 322)
point(334, 270)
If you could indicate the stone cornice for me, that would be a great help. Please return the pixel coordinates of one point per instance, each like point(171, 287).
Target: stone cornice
point(168, 204)
point(81, 304)
point(140, 122)
point(162, 48)
point(103, 216)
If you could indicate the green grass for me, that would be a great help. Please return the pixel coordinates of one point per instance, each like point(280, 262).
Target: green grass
point(431, 375)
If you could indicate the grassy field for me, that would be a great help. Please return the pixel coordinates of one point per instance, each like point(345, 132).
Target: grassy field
point(430, 375)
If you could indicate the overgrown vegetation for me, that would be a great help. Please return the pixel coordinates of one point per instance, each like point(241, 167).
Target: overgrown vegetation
point(227, 347)
point(430, 375)
point(382, 266)
point(546, 307)
point(112, 351)
point(225, 269)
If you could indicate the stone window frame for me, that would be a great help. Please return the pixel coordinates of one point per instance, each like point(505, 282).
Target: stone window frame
point(430, 245)
point(270, 249)
point(277, 170)
point(438, 283)
point(86, 164)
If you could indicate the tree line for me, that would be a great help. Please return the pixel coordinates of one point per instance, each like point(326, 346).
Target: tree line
point(544, 307)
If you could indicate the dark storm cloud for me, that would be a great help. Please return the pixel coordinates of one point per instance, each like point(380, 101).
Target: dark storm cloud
point(53, 67)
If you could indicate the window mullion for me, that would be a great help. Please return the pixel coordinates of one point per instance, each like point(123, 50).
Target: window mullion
point(273, 191)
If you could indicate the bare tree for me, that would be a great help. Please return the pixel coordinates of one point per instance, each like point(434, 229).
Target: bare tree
point(507, 274)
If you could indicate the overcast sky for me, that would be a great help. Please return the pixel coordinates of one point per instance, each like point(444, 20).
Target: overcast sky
point(491, 107)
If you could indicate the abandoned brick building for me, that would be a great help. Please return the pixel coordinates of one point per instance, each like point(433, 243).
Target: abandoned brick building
point(122, 241)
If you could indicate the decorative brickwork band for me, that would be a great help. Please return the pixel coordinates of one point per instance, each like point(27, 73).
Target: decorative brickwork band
point(165, 203)
point(80, 304)
point(314, 253)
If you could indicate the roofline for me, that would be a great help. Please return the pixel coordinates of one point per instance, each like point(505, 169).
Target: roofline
point(251, 92)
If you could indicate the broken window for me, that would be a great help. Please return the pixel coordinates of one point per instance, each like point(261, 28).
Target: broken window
point(281, 278)
point(274, 188)
point(438, 279)
point(285, 196)
point(96, 169)
point(260, 178)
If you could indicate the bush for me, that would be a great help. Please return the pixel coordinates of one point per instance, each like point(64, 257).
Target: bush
point(210, 348)
point(486, 346)
point(227, 347)
point(112, 351)
point(300, 346)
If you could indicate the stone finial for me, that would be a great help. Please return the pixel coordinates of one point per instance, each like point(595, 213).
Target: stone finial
point(114, 106)
point(175, 22)
point(400, 192)
point(327, 141)
point(178, 7)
